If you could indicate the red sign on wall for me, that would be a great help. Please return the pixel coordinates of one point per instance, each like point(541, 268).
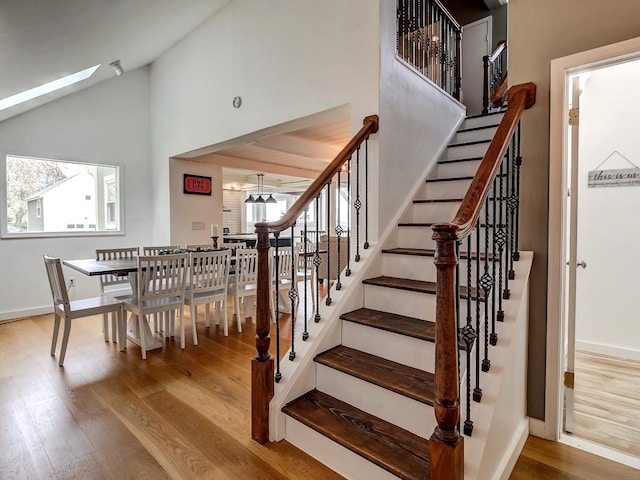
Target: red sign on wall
point(197, 184)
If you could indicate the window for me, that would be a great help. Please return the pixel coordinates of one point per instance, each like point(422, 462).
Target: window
point(46, 196)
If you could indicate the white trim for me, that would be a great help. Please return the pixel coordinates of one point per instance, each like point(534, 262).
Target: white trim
point(610, 350)
point(507, 463)
point(601, 451)
point(560, 67)
point(536, 427)
point(14, 315)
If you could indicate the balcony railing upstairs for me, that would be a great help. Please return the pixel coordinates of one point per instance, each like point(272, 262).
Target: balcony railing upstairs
point(302, 266)
point(429, 39)
point(485, 233)
point(494, 78)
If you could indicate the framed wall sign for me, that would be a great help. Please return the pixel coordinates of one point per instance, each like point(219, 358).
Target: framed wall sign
point(196, 184)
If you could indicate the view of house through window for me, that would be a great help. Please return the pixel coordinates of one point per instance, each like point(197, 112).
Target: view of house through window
point(51, 196)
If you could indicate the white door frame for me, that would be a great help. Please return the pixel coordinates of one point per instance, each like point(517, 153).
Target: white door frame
point(477, 89)
point(560, 68)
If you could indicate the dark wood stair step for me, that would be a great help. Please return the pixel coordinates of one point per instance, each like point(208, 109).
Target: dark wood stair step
point(458, 160)
point(447, 179)
point(390, 322)
point(419, 286)
point(392, 448)
point(429, 252)
point(467, 144)
point(473, 129)
point(396, 377)
point(439, 200)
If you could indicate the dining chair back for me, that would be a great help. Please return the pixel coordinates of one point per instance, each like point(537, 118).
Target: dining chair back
point(117, 286)
point(68, 309)
point(283, 273)
point(244, 282)
point(208, 282)
point(233, 245)
point(158, 250)
point(201, 246)
point(160, 288)
point(306, 271)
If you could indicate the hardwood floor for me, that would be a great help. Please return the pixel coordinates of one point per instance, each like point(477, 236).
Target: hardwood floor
point(180, 414)
point(607, 401)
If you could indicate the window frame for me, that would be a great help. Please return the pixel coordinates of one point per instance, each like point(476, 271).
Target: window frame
point(120, 210)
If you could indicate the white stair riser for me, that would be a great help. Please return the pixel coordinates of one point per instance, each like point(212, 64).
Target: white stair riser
point(409, 303)
point(446, 190)
point(481, 121)
point(418, 267)
point(331, 454)
point(474, 135)
point(414, 416)
point(398, 348)
point(420, 237)
point(458, 169)
point(432, 212)
point(466, 151)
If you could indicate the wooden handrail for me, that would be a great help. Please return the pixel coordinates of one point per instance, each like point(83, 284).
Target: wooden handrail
point(369, 126)
point(446, 445)
point(496, 53)
point(448, 15)
point(521, 97)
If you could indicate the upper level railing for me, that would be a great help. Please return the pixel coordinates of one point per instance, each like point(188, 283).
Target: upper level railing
point(339, 197)
point(486, 226)
point(494, 78)
point(429, 38)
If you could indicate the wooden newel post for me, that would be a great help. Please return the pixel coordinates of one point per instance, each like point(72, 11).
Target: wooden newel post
point(262, 382)
point(446, 446)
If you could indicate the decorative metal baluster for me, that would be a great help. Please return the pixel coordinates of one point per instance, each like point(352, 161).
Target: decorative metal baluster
point(305, 263)
point(366, 193)
point(493, 338)
point(477, 391)
point(339, 231)
point(328, 193)
point(500, 237)
point(293, 297)
point(513, 205)
point(358, 205)
point(278, 375)
point(486, 281)
point(347, 271)
point(469, 336)
point(317, 261)
point(506, 293)
point(516, 249)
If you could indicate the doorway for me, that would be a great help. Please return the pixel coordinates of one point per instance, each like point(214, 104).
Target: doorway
point(599, 346)
point(476, 43)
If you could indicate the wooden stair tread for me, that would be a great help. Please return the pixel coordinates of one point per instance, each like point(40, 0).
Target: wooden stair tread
point(396, 377)
point(466, 144)
point(497, 112)
point(398, 451)
point(458, 160)
point(391, 322)
point(448, 179)
point(429, 252)
point(473, 129)
point(439, 200)
point(419, 286)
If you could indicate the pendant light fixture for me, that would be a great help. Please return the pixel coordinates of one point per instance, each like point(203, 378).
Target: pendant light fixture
point(260, 198)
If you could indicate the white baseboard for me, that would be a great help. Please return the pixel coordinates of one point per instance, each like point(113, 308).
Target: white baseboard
point(515, 448)
point(610, 350)
point(14, 315)
point(537, 428)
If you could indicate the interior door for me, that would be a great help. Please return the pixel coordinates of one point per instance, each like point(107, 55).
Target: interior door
point(572, 245)
point(476, 43)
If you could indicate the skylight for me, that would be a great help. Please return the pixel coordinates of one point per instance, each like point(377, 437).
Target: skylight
point(47, 88)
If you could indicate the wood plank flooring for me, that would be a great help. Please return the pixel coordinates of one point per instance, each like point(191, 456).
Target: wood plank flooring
point(607, 401)
point(180, 414)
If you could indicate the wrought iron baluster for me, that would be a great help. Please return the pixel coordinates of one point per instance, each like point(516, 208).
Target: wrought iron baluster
point(469, 336)
point(513, 206)
point(305, 264)
point(516, 249)
point(339, 231)
point(293, 296)
point(493, 338)
point(486, 281)
point(500, 237)
point(366, 193)
point(278, 376)
point(358, 205)
point(317, 261)
point(347, 271)
point(506, 293)
point(328, 193)
point(477, 391)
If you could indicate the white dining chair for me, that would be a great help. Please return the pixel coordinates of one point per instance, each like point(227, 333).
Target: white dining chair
point(283, 273)
point(160, 249)
point(306, 270)
point(208, 281)
point(244, 282)
point(116, 286)
point(68, 309)
point(157, 318)
point(200, 246)
point(160, 288)
point(232, 245)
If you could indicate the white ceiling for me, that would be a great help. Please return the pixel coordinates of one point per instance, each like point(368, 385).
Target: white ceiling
point(44, 40)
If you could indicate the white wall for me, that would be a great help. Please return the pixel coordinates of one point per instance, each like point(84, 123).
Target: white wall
point(416, 120)
point(608, 220)
point(286, 59)
point(107, 124)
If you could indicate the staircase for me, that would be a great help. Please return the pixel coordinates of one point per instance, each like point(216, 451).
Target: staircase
point(371, 414)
